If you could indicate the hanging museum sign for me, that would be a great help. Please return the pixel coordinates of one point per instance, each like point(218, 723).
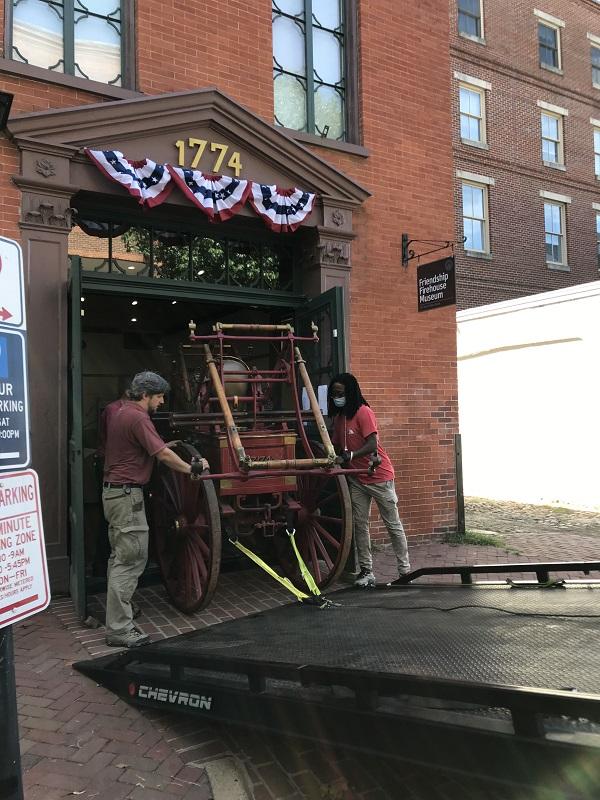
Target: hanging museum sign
point(435, 284)
point(220, 197)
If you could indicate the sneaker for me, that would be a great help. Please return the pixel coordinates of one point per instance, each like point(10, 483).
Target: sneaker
point(365, 580)
point(133, 638)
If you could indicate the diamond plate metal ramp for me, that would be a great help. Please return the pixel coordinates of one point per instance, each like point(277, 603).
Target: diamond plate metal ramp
point(463, 677)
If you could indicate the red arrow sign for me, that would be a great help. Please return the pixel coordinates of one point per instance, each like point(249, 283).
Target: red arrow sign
point(5, 314)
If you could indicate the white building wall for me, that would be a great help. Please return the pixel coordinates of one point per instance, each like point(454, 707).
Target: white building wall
point(529, 398)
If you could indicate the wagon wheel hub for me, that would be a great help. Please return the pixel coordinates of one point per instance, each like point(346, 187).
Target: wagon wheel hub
point(181, 525)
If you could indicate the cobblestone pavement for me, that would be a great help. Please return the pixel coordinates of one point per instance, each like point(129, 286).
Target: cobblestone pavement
point(515, 518)
point(80, 739)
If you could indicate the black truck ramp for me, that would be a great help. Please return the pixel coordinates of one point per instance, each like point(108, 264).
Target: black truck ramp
point(497, 680)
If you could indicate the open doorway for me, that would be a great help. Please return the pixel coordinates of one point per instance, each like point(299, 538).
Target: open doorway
point(134, 290)
point(122, 335)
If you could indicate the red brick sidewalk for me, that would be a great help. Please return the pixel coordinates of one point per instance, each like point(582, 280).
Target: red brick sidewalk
point(79, 739)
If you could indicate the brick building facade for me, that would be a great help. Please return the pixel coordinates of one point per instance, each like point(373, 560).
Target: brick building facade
point(526, 139)
point(406, 361)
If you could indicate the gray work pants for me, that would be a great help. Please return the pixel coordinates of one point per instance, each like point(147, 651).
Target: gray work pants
point(128, 537)
point(384, 494)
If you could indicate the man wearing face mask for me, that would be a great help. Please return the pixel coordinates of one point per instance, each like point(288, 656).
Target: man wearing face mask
point(355, 437)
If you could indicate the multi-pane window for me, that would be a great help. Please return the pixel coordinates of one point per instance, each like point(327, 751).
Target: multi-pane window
point(309, 66)
point(598, 239)
point(554, 227)
point(70, 36)
point(595, 52)
point(470, 18)
point(475, 217)
point(597, 152)
point(552, 139)
point(472, 114)
point(549, 45)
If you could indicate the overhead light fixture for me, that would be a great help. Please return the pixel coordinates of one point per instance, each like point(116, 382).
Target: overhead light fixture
point(201, 272)
point(173, 302)
point(134, 319)
point(130, 267)
point(5, 103)
point(134, 302)
point(83, 299)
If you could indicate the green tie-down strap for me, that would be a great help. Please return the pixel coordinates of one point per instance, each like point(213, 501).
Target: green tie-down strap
point(308, 578)
point(283, 581)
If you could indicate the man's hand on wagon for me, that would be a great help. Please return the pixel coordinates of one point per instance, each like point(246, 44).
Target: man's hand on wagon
point(197, 467)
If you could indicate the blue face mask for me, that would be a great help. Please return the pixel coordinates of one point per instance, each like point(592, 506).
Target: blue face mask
point(339, 402)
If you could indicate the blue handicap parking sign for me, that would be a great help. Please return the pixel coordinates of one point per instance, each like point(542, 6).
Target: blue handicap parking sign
point(3, 357)
point(14, 402)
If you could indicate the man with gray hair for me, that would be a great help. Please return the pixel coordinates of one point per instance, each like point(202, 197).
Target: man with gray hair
point(132, 444)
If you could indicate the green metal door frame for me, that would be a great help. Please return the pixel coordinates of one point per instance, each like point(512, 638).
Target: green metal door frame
point(326, 308)
point(110, 283)
point(81, 282)
point(76, 527)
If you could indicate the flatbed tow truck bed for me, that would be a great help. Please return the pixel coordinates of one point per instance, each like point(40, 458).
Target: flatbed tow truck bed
point(495, 680)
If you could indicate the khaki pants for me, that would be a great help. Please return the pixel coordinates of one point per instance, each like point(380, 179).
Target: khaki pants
point(128, 537)
point(384, 494)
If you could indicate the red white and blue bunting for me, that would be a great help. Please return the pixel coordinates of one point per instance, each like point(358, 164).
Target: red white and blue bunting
point(218, 196)
point(283, 210)
point(149, 182)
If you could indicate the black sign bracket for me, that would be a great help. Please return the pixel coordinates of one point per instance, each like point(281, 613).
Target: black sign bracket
point(441, 244)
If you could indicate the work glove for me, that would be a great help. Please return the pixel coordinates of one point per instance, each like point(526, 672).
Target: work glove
point(198, 466)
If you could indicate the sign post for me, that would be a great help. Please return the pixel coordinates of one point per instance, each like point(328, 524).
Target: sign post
point(24, 585)
point(11, 784)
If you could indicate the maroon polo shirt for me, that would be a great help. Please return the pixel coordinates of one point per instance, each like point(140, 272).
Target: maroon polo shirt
point(105, 418)
point(131, 444)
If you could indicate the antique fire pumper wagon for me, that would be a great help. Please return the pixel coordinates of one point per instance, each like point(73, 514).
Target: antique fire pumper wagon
point(268, 478)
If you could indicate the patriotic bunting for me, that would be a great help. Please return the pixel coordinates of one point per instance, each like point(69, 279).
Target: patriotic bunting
point(149, 182)
point(283, 210)
point(218, 196)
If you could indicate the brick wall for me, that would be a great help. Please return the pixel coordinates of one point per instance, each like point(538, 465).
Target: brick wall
point(405, 361)
point(509, 61)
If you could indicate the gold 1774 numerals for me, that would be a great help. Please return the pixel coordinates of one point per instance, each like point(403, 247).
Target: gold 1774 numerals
point(200, 146)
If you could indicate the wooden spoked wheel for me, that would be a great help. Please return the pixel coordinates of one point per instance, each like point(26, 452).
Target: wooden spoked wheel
point(323, 529)
point(186, 529)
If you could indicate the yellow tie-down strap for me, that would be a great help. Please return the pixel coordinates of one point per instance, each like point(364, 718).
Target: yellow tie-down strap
point(258, 560)
point(308, 578)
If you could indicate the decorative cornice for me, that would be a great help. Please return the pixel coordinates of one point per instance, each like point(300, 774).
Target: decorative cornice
point(44, 187)
point(98, 124)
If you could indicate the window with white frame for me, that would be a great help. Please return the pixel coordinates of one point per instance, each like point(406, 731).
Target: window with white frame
point(470, 18)
point(475, 217)
point(549, 45)
point(472, 113)
point(554, 228)
point(552, 138)
point(595, 53)
point(598, 239)
point(597, 152)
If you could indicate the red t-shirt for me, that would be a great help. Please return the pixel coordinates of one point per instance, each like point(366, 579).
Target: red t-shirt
point(131, 444)
point(351, 434)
